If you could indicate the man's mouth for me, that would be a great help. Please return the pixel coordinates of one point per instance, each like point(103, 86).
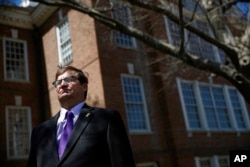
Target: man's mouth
point(62, 91)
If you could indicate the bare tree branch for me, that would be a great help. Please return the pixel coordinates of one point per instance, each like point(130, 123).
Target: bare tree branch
point(237, 48)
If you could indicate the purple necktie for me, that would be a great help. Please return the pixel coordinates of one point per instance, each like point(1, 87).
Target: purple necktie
point(66, 133)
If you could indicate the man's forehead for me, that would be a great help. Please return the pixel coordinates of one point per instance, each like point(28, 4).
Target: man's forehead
point(67, 74)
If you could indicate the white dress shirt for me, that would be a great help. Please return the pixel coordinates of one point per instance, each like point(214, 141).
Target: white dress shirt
point(61, 122)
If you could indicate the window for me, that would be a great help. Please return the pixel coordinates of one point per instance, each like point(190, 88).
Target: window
point(135, 103)
point(148, 164)
point(212, 107)
point(15, 60)
point(192, 6)
point(215, 161)
point(205, 162)
point(194, 44)
point(18, 128)
point(64, 43)
point(223, 161)
point(123, 14)
point(237, 110)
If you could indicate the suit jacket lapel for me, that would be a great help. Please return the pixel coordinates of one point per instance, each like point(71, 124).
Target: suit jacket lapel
point(80, 125)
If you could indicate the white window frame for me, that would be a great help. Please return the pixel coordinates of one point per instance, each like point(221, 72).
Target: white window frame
point(13, 150)
point(122, 39)
point(198, 161)
point(65, 55)
point(214, 160)
point(147, 128)
point(147, 164)
point(225, 158)
point(200, 108)
point(18, 70)
point(217, 56)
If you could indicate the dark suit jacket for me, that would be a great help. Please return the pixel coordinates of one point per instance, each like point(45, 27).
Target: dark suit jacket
point(98, 139)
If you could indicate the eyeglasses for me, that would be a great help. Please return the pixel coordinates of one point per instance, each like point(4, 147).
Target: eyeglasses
point(67, 80)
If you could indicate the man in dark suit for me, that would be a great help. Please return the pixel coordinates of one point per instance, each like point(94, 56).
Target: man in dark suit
point(98, 137)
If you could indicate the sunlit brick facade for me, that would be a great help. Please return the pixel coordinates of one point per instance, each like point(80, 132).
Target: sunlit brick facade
point(167, 121)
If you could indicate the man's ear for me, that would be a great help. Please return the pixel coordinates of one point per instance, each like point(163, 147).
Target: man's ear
point(85, 86)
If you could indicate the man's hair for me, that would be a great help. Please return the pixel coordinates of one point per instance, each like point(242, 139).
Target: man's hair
point(81, 76)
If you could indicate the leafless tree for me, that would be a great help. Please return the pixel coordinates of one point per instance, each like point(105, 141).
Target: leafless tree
point(220, 15)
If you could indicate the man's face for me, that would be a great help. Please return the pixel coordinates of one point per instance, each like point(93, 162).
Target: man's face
point(70, 91)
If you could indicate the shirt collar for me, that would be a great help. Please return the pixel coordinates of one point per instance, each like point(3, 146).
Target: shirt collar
point(75, 110)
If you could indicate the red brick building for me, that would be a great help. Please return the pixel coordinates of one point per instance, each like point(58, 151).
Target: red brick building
point(193, 120)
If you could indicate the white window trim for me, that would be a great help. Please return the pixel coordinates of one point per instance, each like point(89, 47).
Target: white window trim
point(133, 40)
point(7, 129)
point(59, 42)
point(147, 164)
point(148, 128)
point(198, 159)
point(201, 112)
point(25, 60)
point(214, 160)
point(215, 50)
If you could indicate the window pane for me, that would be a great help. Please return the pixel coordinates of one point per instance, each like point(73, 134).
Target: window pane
point(195, 44)
point(238, 112)
point(135, 105)
point(15, 59)
point(205, 163)
point(148, 164)
point(207, 50)
point(190, 105)
point(64, 43)
point(18, 131)
point(174, 32)
point(192, 6)
point(224, 161)
point(123, 14)
point(215, 107)
point(200, 47)
point(213, 161)
point(206, 106)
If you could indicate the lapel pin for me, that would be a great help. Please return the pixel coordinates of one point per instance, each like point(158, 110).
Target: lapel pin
point(87, 115)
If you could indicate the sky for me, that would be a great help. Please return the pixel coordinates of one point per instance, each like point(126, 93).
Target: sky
point(244, 7)
point(20, 3)
point(16, 2)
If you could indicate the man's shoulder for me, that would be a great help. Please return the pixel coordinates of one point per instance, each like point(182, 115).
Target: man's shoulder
point(103, 111)
point(48, 123)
